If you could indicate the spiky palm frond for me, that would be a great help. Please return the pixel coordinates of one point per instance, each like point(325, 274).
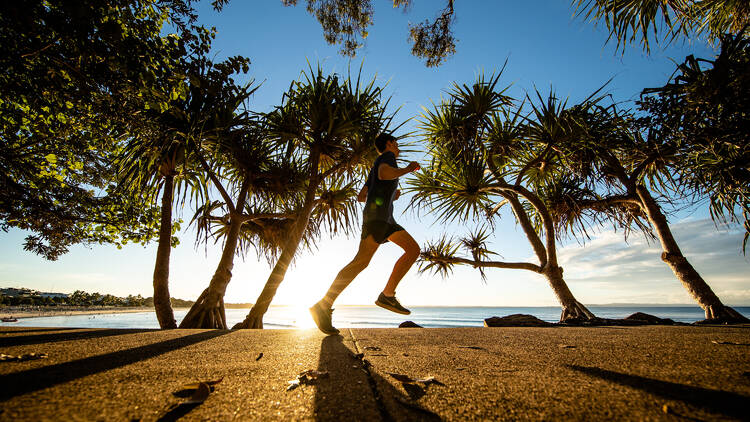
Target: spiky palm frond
point(436, 257)
point(476, 244)
point(630, 20)
point(453, 189)
point(336, 209)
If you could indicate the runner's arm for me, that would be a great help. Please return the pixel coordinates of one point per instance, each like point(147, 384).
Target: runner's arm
point(388, 172)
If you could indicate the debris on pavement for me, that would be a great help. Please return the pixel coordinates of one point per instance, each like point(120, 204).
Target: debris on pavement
point(567, 346)
point(22, 358)
point(729, 342)
point(471, 347)
point(259, 356)
point(307, 377)
point(373, 348)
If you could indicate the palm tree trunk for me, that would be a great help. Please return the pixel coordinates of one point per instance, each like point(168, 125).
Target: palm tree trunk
point(254, 319)
point(208, 310)
point(688, 276)
point(162, 305)
point(572, 310)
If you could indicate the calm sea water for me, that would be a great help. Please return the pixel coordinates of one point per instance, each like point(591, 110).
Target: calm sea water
point(367, 316)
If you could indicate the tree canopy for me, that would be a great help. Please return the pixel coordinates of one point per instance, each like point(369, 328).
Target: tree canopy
point(72, 74)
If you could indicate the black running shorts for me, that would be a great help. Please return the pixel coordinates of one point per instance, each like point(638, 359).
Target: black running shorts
point(380, 230)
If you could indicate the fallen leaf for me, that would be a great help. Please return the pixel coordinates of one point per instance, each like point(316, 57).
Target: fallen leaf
point(373, 348)
point(293, 384)
point(567, 346)
point(200, 395)
point(21, 358)
point(313, 374)
point(729, 342)
point(194, 385)
point(430, 380)
point(401, 377)
point(471, 347)
point(259, 356)
point(378, 354)
point(460, 369)
point(307, 377)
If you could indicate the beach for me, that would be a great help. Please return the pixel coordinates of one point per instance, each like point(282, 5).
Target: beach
point(516, 373)
point(49, 311)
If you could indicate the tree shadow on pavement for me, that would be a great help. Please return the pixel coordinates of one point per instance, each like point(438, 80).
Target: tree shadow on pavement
point(715, 401)
point(23, 330)
point(18, 383)
point(337, 398)
point(64, 336)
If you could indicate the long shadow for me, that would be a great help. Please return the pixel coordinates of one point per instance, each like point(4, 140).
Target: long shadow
point(715, 401)
point(18, 383)
point(23, 330)
point(78, 335)
point(332, 398)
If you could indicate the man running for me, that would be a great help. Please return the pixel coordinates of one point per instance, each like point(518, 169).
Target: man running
point(378, 227)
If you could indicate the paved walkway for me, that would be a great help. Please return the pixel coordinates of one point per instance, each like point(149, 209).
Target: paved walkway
point(597, 373)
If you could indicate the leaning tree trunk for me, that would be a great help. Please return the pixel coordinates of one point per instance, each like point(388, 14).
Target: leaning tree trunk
point(685, 272)
point(254, 318)
point(572, 310)
point(208, 310)
point(162, 305)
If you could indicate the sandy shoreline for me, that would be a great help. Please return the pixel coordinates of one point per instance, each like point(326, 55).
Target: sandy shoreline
point(39, 311)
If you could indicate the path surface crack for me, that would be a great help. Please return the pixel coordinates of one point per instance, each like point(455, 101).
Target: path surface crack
point(384, 415)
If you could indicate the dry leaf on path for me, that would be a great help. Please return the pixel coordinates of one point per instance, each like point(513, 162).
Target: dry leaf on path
point(729, 342)
point(306, 377)
point(259, 356)
point(22, 358)
point(200, 395)
point(194, 385)
point(471, 347)
point(429, 380)
point(567, 346)
point(373, 348)
point(292, 385)
point(401, 377)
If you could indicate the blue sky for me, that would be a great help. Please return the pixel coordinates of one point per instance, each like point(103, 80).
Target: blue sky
point(545, 47)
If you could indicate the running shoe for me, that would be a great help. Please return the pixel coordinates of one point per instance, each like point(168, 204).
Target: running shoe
point(391, 303)
point(322, 318)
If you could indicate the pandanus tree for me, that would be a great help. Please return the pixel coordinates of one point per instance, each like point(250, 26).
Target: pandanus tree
point(241, 162)
point(705, 109)
point(633, 171)
point(160, 159)
point(481, 160)
point(332, 122)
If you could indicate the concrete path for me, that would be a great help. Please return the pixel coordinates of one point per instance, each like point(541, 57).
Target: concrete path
point(561, 373)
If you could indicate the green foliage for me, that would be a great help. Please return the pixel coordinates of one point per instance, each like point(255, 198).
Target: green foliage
point(703, 110)
point(630, 21)
point(72, 75)
point(345, 23)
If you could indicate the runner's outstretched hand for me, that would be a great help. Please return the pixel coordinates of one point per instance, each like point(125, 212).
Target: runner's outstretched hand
point(413, 166)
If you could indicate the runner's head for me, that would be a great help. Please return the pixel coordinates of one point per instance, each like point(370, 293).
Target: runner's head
point(386, 142)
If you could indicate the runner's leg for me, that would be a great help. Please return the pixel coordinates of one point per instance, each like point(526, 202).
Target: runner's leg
point(367, 248)
point(411, 252)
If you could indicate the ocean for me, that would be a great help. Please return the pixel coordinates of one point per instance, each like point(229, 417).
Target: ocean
point(286, 317)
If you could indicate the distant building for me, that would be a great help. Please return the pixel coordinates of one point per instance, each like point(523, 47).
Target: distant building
point(24, 292)
point(54, 295)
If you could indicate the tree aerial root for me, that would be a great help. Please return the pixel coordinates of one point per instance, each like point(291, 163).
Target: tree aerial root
point(575, 312)
point(252, 321)
point(722, 314)
point(207, 312)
